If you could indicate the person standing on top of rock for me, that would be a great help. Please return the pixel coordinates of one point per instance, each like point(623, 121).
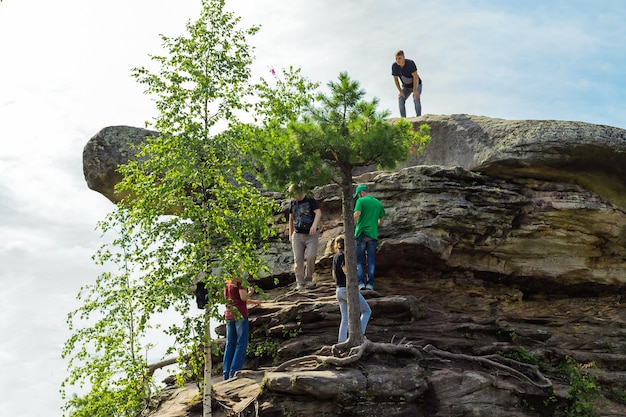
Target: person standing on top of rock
point(405, 71)
point(339, 274)
point(369, 214)
point(304, 217)
point(237, 327)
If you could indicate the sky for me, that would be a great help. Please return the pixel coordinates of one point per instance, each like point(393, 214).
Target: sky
point(65, 73)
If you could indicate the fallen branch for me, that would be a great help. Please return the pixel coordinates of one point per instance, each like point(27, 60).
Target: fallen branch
point(152, 368)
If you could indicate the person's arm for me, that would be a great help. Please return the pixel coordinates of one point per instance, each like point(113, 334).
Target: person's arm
point(381, 221)
point(316, 220)
point(290, 226)
point(245, 295)
point(416, 80)
point(356, 216)
point(397, 81)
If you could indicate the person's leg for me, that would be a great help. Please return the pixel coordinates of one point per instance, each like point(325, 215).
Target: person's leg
point(310, 255)
point(366, 312)
point(343, 308)
point(418, 101)
point(297, 243)
point(360, 256)
point(370, 253)
point(402, 100)
point(229, 349)
point(239, 357)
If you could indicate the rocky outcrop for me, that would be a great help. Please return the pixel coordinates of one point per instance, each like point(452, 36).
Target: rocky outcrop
point(455, 335)
point(106, 150)
point(503, 253)
point(592, 156)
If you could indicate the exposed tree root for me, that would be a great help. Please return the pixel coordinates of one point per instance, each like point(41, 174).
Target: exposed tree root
point(495, 361)
point(522, 371)
point(355, 354)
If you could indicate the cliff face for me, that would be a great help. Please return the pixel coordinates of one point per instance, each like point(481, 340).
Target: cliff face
point(505, 243)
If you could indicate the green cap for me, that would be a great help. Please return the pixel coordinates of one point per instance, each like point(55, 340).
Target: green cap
point(359, 188)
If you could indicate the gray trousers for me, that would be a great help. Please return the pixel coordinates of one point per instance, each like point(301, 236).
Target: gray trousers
point(304, 253)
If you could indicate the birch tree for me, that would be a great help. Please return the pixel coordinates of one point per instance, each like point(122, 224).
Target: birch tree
point(188, 212)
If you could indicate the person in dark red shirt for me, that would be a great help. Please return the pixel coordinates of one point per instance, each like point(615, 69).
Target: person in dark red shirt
point(237, 328)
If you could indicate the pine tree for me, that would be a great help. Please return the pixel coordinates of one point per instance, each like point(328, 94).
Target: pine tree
point(323, 141)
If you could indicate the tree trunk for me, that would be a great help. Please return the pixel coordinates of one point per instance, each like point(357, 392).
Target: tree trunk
point(355, 333)
point(206, 398)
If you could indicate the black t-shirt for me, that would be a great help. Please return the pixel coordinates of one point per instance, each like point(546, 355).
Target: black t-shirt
point(303, 213)
point(339, 260)
point(405, 73)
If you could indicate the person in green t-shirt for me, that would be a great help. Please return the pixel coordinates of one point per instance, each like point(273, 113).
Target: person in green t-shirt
point(369, 215)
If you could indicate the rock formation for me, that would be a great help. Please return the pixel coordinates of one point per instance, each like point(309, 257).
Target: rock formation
point(109, 148)
point(503, 254)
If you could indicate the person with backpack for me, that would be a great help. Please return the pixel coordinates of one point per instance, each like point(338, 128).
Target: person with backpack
point(405, 71)
point(304, 217)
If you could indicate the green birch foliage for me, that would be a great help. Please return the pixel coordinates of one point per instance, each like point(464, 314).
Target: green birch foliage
point(188, 213)
point(107, 356)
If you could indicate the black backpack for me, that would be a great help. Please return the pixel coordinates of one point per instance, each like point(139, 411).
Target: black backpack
point(202, 295)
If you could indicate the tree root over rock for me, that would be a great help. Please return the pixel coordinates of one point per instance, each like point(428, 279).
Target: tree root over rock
point(240, 394)
point(355, 354)
point(523, 371)
point(526, 372)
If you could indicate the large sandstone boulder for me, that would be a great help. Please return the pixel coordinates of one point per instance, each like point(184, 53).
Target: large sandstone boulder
point(592, 156)
point(535, 234)
point(106, 150)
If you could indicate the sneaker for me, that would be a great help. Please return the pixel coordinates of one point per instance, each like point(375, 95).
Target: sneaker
point(361, 286)
point(369, 287)
point(299, 287)
point(309, 284)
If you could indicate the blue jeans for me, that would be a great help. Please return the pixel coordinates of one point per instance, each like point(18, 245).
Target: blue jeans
point(365, 248)
point(236, 346)
point(418, 104)
point(366, 312)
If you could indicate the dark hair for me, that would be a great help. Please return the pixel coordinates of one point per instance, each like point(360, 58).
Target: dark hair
point(339, 242)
